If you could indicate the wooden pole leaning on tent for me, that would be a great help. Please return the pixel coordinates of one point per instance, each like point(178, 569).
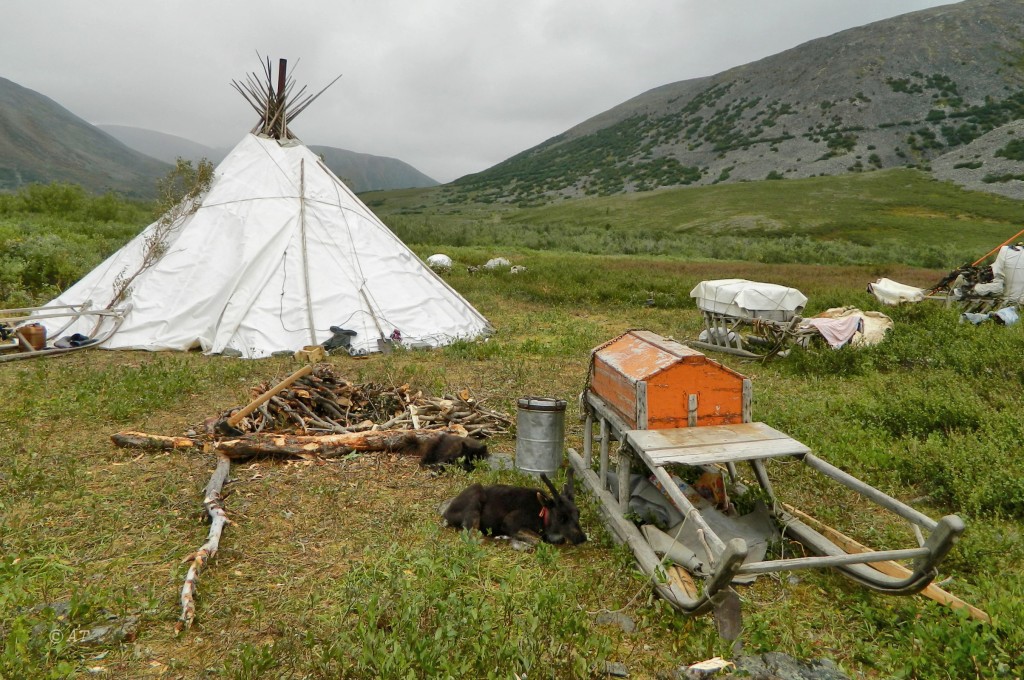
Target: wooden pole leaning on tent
point(229, 426)
point(891, 568)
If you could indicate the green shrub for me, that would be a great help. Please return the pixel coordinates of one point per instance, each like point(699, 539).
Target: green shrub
point(935, 642)
point(920, 410)
point(52, 199)
point(1014, 150)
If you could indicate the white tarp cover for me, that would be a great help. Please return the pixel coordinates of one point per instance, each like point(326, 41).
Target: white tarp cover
point(1009, 266)
point(749, 299)
point(890, 292)
point(235, 273)
point(439, 261)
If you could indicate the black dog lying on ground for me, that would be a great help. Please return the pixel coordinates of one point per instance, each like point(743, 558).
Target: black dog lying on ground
point(522, 513)
point(445, 449)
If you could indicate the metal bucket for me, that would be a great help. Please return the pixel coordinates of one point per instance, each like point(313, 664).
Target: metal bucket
point(540, 434)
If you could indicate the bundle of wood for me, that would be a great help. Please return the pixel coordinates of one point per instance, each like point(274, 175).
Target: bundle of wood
point(323, 402)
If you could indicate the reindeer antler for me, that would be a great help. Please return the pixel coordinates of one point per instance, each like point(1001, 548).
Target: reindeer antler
point(547, 482)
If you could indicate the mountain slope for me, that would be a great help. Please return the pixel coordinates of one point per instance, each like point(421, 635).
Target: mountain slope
point(993, 162)
point(365, 172)
point(162, 146)
point(361, 171)
point(893, 93)
point(41, 141)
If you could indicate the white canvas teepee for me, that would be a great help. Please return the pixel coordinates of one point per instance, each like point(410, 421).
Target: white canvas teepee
point(278, 252)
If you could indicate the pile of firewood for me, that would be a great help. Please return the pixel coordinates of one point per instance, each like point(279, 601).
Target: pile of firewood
point(325, 403)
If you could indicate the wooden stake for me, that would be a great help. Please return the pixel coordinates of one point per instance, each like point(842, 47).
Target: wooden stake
point(218, 519)
point(894, 569)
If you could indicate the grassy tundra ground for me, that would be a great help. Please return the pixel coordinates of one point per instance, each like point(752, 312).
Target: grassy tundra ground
point(341, 569)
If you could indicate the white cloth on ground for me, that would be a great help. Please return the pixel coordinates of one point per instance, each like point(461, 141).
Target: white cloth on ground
point(870, 329)
point(890, 292)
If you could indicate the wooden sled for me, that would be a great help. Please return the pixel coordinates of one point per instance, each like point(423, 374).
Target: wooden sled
point(750, 337)
point(635, 382)
point(750, 319)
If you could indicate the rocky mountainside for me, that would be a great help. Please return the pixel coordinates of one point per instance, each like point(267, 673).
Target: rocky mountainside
point(41, 141)
point(361, 171)
point(899, 92)
point(993, 162)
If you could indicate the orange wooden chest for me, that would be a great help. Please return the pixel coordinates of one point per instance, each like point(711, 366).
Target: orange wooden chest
point(653, 383)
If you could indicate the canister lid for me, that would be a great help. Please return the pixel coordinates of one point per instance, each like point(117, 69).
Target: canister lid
point(541, 404)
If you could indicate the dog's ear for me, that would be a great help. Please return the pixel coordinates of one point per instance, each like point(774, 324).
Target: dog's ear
point(569, 490)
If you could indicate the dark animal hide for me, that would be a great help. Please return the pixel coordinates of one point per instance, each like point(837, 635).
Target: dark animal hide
point(445, 449)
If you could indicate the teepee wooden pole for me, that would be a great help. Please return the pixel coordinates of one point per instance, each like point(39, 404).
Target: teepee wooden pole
point(277, 106)
point(305, 251)
point(282, 81)
point(282, 68)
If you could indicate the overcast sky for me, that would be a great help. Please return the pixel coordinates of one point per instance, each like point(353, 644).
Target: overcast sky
point(449, 86)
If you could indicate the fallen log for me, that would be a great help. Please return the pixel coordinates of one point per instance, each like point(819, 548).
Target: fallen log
point(151, 442)
point(312, 447)
point(218, 519)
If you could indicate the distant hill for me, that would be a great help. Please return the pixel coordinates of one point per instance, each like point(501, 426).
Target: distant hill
point(364, 172)
point(41, 141)
point(163, 147)
point(899, 92)
point(361, 171)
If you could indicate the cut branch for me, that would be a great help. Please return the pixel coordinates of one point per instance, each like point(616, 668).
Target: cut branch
point(218, 519)
point(151, 442)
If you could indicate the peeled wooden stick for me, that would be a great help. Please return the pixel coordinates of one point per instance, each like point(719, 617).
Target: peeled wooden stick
point(218, 518)
point(255, 403)
point(889, 567)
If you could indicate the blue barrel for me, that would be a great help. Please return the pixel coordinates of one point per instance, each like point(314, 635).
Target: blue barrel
point(540, 434)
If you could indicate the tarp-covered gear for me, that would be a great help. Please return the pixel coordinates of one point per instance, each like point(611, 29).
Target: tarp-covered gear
point(749, 299)
point(1009, 267)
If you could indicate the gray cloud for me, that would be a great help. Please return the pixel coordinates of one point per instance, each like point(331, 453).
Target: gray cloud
point(450, 86)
